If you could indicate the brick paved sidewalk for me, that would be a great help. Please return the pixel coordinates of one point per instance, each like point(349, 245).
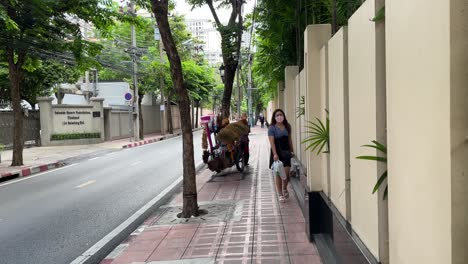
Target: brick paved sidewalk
point(246, 223)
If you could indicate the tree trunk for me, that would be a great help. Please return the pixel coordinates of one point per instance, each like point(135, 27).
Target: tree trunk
point(229, 74)
point(140, 116)
point(193, 113)
point(196, 117)
point(15, 73)
point(190, 205)
point(170, 128)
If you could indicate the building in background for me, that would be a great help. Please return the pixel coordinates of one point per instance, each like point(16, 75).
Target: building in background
point(203, 30)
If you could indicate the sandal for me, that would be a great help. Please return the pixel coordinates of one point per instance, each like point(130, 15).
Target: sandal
point(285, 193)
point(281, 199)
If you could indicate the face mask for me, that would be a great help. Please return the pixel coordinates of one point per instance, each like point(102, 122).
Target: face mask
point(279, 119)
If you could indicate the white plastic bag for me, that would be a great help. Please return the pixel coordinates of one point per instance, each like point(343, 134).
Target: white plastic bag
point(278, 169)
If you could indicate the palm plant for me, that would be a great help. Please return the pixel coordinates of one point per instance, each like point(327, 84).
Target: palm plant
point(318, 135)
point(382, 148)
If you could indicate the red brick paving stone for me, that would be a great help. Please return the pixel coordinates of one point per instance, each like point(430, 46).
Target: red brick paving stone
point(302, 248)
point(293, 219)
point(294, 228)
point(144, 245)
point(234, 261)
point(181, 233)
point(300, 237)
point(269, 228)
point(106, 261)
point(200, 252)
point(185, 226)
point(270, 249)
point(151, 235)
point(205, 240)
point(305, 259)
point(133, 256)
point(271, 237)
point(166, 228)
point(270, 260)
point(174, 242)
point(166, 254)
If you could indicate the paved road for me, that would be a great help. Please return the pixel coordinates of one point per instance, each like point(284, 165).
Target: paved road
point(56, 216)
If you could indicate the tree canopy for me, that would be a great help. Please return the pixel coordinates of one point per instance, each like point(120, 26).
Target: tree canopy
point(280, 26)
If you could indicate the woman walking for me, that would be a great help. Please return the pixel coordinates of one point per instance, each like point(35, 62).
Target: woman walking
point(279, 134)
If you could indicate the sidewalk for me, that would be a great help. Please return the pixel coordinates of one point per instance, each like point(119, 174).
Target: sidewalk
point(38, 159)
point(245, 222)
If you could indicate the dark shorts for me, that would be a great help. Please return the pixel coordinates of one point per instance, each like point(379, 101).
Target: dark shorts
point(286, 162)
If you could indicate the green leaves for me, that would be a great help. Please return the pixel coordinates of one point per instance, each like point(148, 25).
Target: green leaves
point(301, 109)
point(382, 148)
point(319, 136)
point(380, 15)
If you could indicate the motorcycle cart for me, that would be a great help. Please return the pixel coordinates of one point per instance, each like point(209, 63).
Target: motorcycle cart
point(226, 150)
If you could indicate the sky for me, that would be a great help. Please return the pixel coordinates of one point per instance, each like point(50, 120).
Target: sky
point(182, 8)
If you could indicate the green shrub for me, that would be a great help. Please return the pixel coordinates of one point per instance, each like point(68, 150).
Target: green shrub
point(74, 136)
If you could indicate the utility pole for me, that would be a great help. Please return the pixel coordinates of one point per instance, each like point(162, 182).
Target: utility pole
point(249, 89)
point(239, 99)
point(239, 65)
point(161, 85)
point(163, 110)
point(134, 54)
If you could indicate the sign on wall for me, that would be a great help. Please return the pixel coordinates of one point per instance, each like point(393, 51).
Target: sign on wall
point(72, 120)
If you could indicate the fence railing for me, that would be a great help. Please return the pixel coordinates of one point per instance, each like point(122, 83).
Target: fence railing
point(31, 128)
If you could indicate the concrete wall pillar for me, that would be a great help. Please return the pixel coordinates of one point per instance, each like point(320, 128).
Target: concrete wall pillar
point(45, 110)
point(301, 90)
point(367, 122)
point(280, 102)
point(107, 123)
point(315, 37)
point(324, 90)
point(427, 115)
point(339, 122)
point(98, 115)
point(290, 74)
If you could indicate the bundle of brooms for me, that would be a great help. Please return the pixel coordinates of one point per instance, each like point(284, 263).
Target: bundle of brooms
point(232, 132)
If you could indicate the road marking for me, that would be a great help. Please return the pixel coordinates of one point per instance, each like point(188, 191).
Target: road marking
point(86, 184)
point(112, 153)
point(135, 163)
point(94, 158)
point(39, 174)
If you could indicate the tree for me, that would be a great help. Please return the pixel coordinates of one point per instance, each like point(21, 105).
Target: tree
point(30, 29)
point(39, 80)
point(279, 36)
point(231, 36)
point(190, 204)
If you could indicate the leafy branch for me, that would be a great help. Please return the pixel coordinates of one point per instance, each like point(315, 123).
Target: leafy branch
point(382, 148)
point(301, 109)
point(319, 136)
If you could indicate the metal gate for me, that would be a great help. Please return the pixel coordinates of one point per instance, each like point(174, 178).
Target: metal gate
point(31, 128)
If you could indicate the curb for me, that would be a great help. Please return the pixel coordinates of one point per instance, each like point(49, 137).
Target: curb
point(32, 170)
point(107, 244)
point(153, 140)
point(149, 141)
